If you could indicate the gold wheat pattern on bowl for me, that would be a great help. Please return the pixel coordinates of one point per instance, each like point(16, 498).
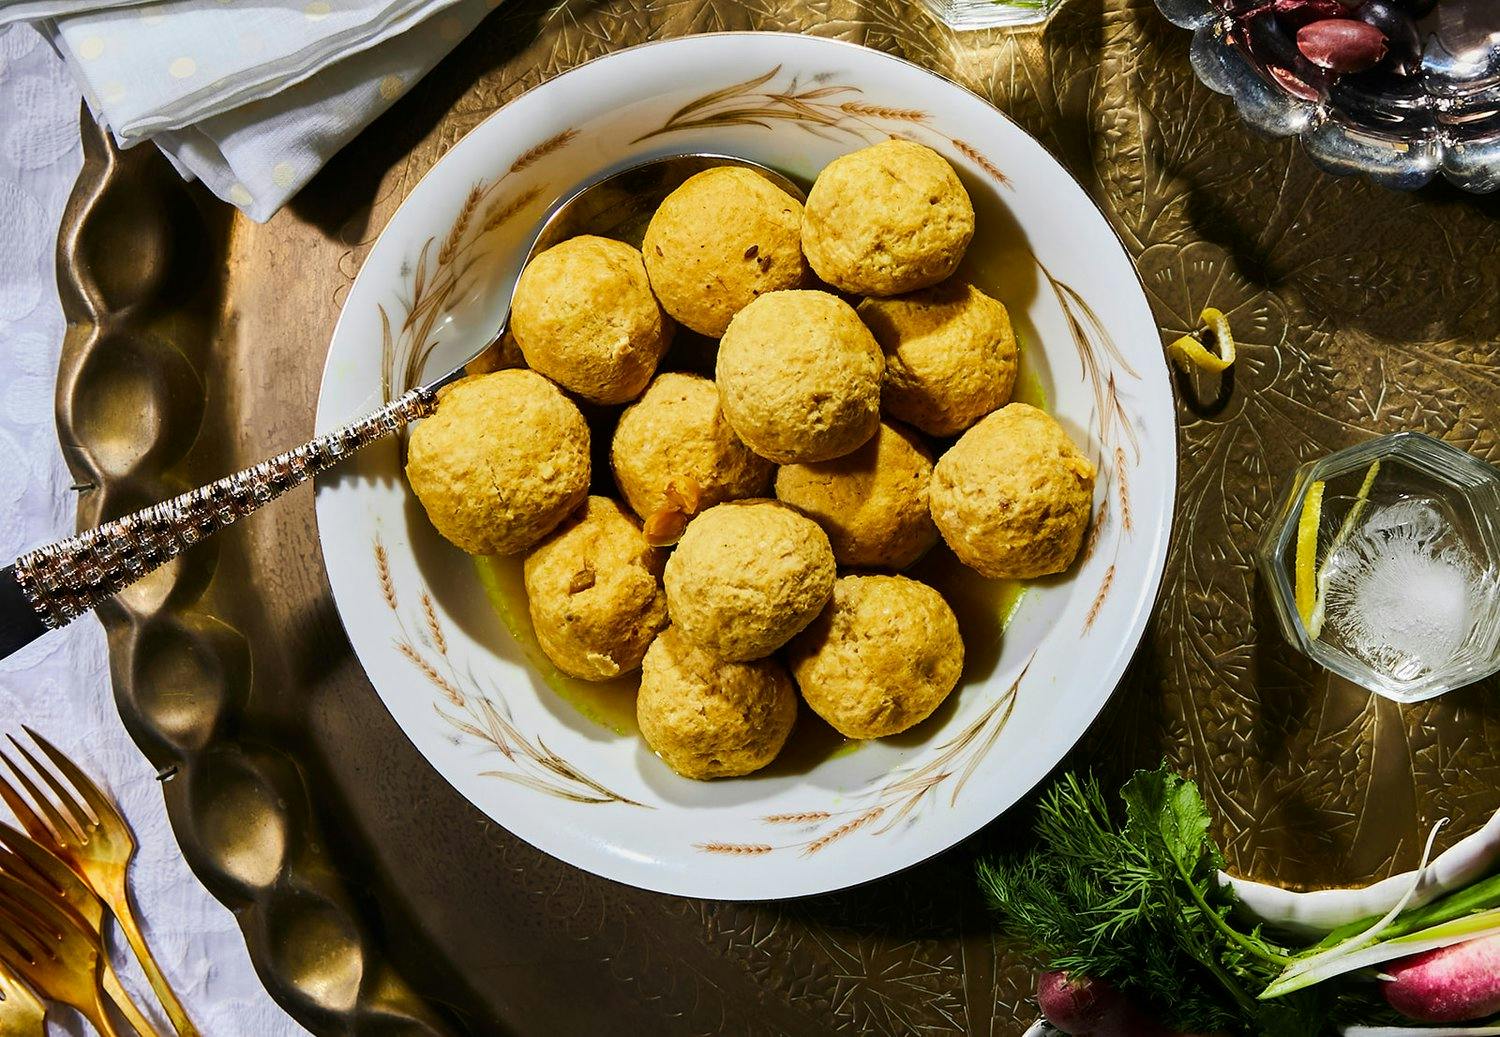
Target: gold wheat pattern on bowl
point(1103, 366)
point(444, 267)
point(822, 107)
point(884, 806)
point(480, 712)
point(831, 111)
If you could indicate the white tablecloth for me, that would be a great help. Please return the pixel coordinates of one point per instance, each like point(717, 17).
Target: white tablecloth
point(60, 685)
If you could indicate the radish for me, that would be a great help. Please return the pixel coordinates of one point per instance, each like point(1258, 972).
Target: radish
point(1450, 984)
point(1084, 1007)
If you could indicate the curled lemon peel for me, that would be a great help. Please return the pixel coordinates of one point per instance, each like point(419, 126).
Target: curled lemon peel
point(1190, 353)
point(1307, 549)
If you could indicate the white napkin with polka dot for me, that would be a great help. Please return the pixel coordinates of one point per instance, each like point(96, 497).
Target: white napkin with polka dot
point(165, 66)
point(33, 10)
point(253, 99)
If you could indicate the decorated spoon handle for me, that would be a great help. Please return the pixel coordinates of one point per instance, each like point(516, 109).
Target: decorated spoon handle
point(53, 585)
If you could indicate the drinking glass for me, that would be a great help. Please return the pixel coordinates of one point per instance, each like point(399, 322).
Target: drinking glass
point(988, 14)
point(1407, 574)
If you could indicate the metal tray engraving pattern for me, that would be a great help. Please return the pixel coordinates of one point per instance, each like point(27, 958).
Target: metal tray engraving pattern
point(376, 901)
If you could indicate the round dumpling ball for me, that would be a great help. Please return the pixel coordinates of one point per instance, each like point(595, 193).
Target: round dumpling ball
point(594, 591)
point(887, 219)
point(871, 503)
point(747, 576)
point(950, 355)
point(584, 316)
point(1013, 496)
point(707, 718)
point(676, 435)
point(503, 460)
point(799, 376)
point(726, 236)
point(883, 655)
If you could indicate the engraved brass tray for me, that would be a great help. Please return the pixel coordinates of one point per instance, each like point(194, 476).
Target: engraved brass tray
point(375, 900)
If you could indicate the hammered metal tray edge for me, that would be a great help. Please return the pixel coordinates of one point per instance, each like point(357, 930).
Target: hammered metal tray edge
point(1310, 781)
point(124, 449)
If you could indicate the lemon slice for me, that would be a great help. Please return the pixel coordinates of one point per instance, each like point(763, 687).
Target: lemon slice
point(1189, 352)
point(1307, 551)
point(1361, 499)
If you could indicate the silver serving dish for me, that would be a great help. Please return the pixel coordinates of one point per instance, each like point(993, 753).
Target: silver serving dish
point(1439, 112)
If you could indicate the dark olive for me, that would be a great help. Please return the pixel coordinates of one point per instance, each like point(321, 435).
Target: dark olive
point(1402, 39)
point(1416, 8)
point(1377, 99)
point(1298, 13)
point(1270, 41)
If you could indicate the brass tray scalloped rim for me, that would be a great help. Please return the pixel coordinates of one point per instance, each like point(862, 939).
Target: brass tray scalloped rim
point(130, 405)
point(463, 693)
point(183, 361)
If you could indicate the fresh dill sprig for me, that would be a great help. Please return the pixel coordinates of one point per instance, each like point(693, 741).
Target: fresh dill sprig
point(1135, 901)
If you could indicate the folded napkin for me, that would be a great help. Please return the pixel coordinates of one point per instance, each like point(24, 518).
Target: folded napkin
point(34, 10)
point(165, 66)
point(252, 99)
point(259, 155)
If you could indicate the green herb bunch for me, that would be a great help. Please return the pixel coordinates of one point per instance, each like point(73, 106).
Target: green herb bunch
point(1132, 897)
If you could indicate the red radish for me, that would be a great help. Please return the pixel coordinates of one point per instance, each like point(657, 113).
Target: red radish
point(1074, 1006)
point(1450, 984)
point(1086, 1007)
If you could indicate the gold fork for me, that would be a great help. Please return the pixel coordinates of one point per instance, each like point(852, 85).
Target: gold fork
point(40, 869)
point(96, 842)
point(45, 872)
point(55, 956)
point(22, 1013)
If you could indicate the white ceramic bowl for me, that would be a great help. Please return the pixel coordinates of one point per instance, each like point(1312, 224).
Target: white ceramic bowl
point(458, 683)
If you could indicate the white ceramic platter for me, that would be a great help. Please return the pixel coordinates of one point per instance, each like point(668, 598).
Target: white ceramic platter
point(457, 681)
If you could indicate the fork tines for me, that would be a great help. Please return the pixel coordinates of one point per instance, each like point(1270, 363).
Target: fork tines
point(54, 829)
point(67, 818)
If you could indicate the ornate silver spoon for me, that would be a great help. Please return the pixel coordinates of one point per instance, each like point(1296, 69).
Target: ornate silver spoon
point(49, 587)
